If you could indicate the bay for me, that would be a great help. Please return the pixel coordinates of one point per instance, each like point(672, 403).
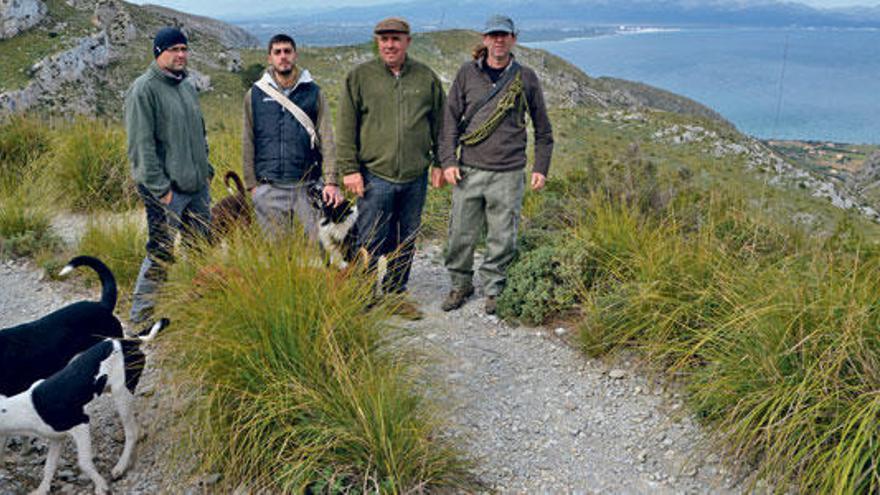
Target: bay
point(806, 84)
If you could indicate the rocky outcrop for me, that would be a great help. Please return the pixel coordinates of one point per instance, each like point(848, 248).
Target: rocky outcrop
point(760, 158)
point(869, 175)
point(65, 81)
point(112, 17)
point(19, 15)
point(201, 82)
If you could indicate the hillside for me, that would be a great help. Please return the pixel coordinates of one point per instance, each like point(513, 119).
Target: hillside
point(742, 279)
point(80, 57)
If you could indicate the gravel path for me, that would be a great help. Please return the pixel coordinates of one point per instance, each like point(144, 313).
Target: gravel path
point(537, 416)
point(534, 413)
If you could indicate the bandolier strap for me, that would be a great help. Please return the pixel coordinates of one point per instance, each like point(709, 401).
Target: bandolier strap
point(513, 98)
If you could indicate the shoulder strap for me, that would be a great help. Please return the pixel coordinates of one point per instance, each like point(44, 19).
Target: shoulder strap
point(291, 107)
point(499, 85)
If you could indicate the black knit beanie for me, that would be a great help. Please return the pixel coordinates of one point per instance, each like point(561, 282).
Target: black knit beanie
point(166, 38)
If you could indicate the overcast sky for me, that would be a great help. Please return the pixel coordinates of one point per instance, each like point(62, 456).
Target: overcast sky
point(227, 7)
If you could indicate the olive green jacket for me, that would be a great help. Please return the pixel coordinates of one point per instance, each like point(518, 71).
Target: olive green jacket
point(166, 134)
point(389, 124)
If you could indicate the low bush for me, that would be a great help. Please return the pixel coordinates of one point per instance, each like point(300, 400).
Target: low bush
point(298, 386)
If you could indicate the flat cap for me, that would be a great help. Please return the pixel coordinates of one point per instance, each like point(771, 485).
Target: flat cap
point(392, 25)
point(499, 24)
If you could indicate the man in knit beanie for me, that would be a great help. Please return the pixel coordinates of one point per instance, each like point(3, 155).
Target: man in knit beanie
point(169, 161)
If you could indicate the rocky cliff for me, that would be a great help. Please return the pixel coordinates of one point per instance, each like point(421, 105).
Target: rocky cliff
point(19, 15)
point(90, 73)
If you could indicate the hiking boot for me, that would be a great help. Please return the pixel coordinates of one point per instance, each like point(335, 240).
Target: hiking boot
point(456, 298)
point(491, 305)
point(407, 310)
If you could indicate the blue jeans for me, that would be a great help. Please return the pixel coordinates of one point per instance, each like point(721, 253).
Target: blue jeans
point(189, 214)
point(389, 217)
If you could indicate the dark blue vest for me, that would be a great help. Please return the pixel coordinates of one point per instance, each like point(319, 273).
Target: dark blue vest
point(282, 147)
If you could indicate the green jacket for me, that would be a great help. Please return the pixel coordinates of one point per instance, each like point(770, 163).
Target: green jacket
point(389, 124)
point(166, 134)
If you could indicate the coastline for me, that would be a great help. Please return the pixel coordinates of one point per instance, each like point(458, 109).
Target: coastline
point(771, 83)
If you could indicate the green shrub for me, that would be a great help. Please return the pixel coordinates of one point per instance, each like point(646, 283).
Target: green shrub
point(89, 166)
point(251, 74)
point(545, 282)
point(297, 385)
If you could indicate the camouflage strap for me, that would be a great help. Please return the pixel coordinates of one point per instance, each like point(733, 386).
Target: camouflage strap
point(514, 97)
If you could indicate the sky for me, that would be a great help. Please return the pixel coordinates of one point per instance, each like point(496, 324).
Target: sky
point(226, 7)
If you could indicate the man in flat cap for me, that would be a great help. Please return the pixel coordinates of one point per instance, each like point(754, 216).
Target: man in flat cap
point(483, 153)
point(388, 124)
point(169, 161)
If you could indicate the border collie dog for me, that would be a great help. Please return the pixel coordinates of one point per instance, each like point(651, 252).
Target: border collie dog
point(35, 350)
point(337, 229)
point(55, 406)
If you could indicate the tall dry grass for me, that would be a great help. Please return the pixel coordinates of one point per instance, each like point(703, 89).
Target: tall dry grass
point(298, 383)
point(776, 336)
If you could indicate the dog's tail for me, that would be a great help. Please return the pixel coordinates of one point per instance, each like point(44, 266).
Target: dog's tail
point(108, 281)
point(239, 185)
point(150, 332)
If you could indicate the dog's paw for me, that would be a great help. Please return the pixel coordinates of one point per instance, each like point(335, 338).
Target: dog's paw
point(118, 471)
point(101, 488)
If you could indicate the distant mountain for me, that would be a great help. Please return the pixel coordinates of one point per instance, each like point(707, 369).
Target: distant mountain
point(341, 24)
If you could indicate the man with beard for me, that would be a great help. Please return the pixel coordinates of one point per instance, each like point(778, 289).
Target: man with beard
point(483, 152)
point(169, 159)
point(287, 142)
point(390, 111)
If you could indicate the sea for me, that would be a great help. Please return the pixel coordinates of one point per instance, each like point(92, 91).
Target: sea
point(817, 84)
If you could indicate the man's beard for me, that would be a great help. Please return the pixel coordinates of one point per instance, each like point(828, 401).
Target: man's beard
point(285, 72)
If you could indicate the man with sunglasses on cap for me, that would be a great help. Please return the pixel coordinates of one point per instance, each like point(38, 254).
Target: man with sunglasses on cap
point(483, 152)
point(168, 151)
point(388, 124)
point(287, 143)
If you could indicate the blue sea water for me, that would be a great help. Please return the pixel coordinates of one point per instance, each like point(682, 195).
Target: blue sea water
point(809, 84)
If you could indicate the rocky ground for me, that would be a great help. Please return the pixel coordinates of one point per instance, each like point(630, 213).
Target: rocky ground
point(534, 413)
point(538, 417)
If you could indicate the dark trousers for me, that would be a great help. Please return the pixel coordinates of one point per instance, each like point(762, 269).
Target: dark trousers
point(189, 214)
point(389, 217)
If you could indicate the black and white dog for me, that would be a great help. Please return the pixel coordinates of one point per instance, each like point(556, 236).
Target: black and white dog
point(337, 228)
point(35, 350)
point(338, 235)
point(54, 407)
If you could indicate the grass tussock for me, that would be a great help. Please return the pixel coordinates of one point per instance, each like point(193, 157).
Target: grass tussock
point(119, 242)
point(22, 140)
point(297, 385)
point(88, 166)
point(25, 224)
